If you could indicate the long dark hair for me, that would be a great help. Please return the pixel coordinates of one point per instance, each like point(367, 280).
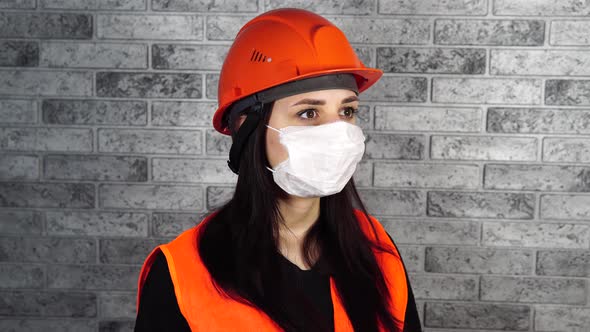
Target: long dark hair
point(239, 247)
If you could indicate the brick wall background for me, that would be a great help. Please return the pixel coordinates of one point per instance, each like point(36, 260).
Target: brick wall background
point(477, 153)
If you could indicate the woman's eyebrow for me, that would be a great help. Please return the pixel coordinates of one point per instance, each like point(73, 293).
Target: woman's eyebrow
point(308, 101)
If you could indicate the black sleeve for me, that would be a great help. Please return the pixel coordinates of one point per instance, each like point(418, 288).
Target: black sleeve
point(412, 320)
point(158, 308)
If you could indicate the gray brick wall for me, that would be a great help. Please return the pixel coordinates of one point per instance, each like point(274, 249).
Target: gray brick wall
point(477, 159)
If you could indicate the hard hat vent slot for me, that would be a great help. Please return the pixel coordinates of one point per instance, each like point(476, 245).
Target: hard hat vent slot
point(257, 56)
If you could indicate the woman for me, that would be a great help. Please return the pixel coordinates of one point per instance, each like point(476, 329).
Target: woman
point(294, 249)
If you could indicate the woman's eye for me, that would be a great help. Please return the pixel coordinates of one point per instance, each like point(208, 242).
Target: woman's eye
point(350, 111)
point(309, 114)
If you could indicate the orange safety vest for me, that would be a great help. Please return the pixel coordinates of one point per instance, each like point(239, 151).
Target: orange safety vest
point(206, 310)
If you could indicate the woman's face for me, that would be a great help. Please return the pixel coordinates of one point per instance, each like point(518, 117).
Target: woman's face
point(307, 109)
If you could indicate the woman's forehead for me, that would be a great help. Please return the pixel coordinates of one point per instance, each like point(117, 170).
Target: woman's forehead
point(328, 96)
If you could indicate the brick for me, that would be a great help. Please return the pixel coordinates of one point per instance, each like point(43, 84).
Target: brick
point(445, 287)
point(537, 177)
point(182, 114)
point(477, 316)
point(433, 7)
point(489, 32)
point(97, 223)
point(118, 305)
point(42, 325)
point(95, 168)
point(567, 319)
point(94, 112)
point(541, 8)
point(363, 7)
point(18, 111)
point(431, 60)
point(363, 117)
point(384, 30)
point(224, 27)
point(112, 277)
point(127, 251)
point(148, 85)
point(426, 175)
point(479, 260)
point(412, 118)
point(150, 141)
point(567, 263)
point(567, 92)
point(46, 83)
point(218, 195)
point(486, 90)
point(398, 89)
point(363, 175)
point(47, 195)
point(211, 81)
point(433, 232)
point(35, 249)
point(390, 146)
point(365, 54)
point(549, 235)
point(45, 139)
point(172, 224)
point(93, 55)
point(394, 202)
point(196, 57)
point(538, 120)
point(483, 148)
point(533, 290)
point(17, 4)
point(21, 222)
point(21, 276)
point(19, 54)
point(174, 197)
point(572, 33)
point(539, 62)
point(45, 25)
point(18, 167)
point(566, 149)
point(56, 303)
point(167, 27)
point(217, 143)
point(94, 5)
point(192, 170)
point(233, 6)
point(412, 257)
point(116, 326)
point(481, 205)
point(566, 206)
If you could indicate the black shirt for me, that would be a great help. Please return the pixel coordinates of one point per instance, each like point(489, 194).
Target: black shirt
point(159, 310)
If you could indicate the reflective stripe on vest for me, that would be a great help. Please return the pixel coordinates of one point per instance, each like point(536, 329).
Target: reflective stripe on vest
point(206, 310)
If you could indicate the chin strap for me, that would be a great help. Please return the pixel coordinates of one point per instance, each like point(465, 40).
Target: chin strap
point(241, 137)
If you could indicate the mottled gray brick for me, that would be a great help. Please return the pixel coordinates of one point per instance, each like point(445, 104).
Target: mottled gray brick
point(430, 7)
point(426, 175)
point(167, 27)
point(192, 170)
point(45, 139)
point(116, 326)
point(97, 223)
point(172, 224)
point(51, 324)
point(18, 111)
point(95, 168)
point(567, 319)
point(21, 276)
point(111, 277)
point(538, 120)
point(365, 54)
point(533, 290)
point(393, 146)
point(19, 53)
point(398, 89)
point(21, 222)
point(233, 6)
point(118, 305)
point(94, 4)
point(357, 7)
point(523, 234)
point(19, 167)
point(384, 30)
point(566, 149)
point(127, 251)
point(93, 55)
point(433, 232)
point(218, 195)
point(173, 197)
point(394, 202)
point(199, 57)
point(47, 195)
point(477, 316)
point(431, 60)
point(566, 206)
point(489, 32)
point(483, 148)
point(225, 27)
point(486, 90)
point(413, 257)
point(479, 260)
point(148, 85)
point(541, 8)
point(567, 92)
point(445, 287)
point(412, 118)
point(150, 141)
point(537, 177)
point(540, 62)
point(94, 112)
point(17, 4)
point(212, 82)
point(37, 249)
point(45, 25)
point(481, 205)
point(45, 82)
point(60, 304)
point(574, 33)
point(567, 263)
point(217, 143)
point(363, 174)
point(182, 113)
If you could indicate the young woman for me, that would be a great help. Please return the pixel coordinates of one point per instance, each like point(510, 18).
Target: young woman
point(294, 249)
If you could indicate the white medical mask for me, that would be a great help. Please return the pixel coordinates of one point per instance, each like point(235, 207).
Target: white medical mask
point(322, 158)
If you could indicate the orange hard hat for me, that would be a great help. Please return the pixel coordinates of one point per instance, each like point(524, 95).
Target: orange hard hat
point(281, 46)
